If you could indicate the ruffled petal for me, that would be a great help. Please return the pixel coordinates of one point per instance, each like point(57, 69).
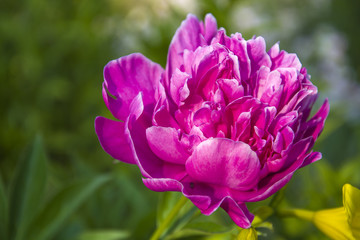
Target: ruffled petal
point(148, 162)
point(275, 181)
point(190, 35)
point(125, 78)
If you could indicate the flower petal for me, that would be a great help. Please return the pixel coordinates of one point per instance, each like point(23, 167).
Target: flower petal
point(190, 35)
point(224, 162)
point(274, 182)
point(166, 144)
point(125, 78)
point(238, 212)
point(149, 164)
point(113, 140)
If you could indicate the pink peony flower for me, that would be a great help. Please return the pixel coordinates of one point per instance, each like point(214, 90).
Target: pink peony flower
point(225, 123)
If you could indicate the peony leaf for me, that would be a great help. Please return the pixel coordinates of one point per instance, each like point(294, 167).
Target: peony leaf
point(261, 214)
point(167, 201)
point(26, 193)
point(200, 229)
point(61, 206)
point(166, 205)
point(104, 235)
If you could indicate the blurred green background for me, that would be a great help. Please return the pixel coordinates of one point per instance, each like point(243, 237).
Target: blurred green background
point(55, 180)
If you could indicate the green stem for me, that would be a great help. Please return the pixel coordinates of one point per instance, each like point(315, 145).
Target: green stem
point(298, 213)
point(168, 220)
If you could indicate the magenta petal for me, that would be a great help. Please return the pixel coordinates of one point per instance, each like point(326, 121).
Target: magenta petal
point(224, 162)
point(113, 140)
point(313, 157)
point(162, 116)
point(239, 47)
point(315, 125)
point(284, 59)
point(188, 36)
point(231, 89)
point(149, 164)
point(210, 30)
point(126, 77)
point(166, 144)
point(256, 49)
point(238, 212)
point(162, 184)
point(201, 201)
point(178, 86)
point(274, 182)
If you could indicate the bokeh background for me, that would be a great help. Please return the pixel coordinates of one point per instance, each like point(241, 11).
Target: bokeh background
point(51, 61)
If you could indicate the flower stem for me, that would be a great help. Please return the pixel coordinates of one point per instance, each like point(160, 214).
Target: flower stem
point(168, 220)
point(298, 213)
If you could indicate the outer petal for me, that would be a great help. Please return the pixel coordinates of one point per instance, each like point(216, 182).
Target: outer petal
point(315, 125)
point(126, 77)
point(238, 212)
point(113, 140)
point(313, 157)
point(224, 162)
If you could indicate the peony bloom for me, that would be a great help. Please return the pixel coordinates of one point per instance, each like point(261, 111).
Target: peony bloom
point(225, 123)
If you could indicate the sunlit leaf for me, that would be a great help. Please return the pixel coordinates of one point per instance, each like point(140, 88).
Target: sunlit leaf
point(104, 235)
point(199, 228)
point(248, 234)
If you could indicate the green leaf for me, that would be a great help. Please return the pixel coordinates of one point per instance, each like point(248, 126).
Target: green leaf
point(200, 228)
point(3, 212)
point(27, 189)
point(277, 198)
point(57, 210)
point(104, 235)
point(167, 201)
point(264, 226)
point(261, 214)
